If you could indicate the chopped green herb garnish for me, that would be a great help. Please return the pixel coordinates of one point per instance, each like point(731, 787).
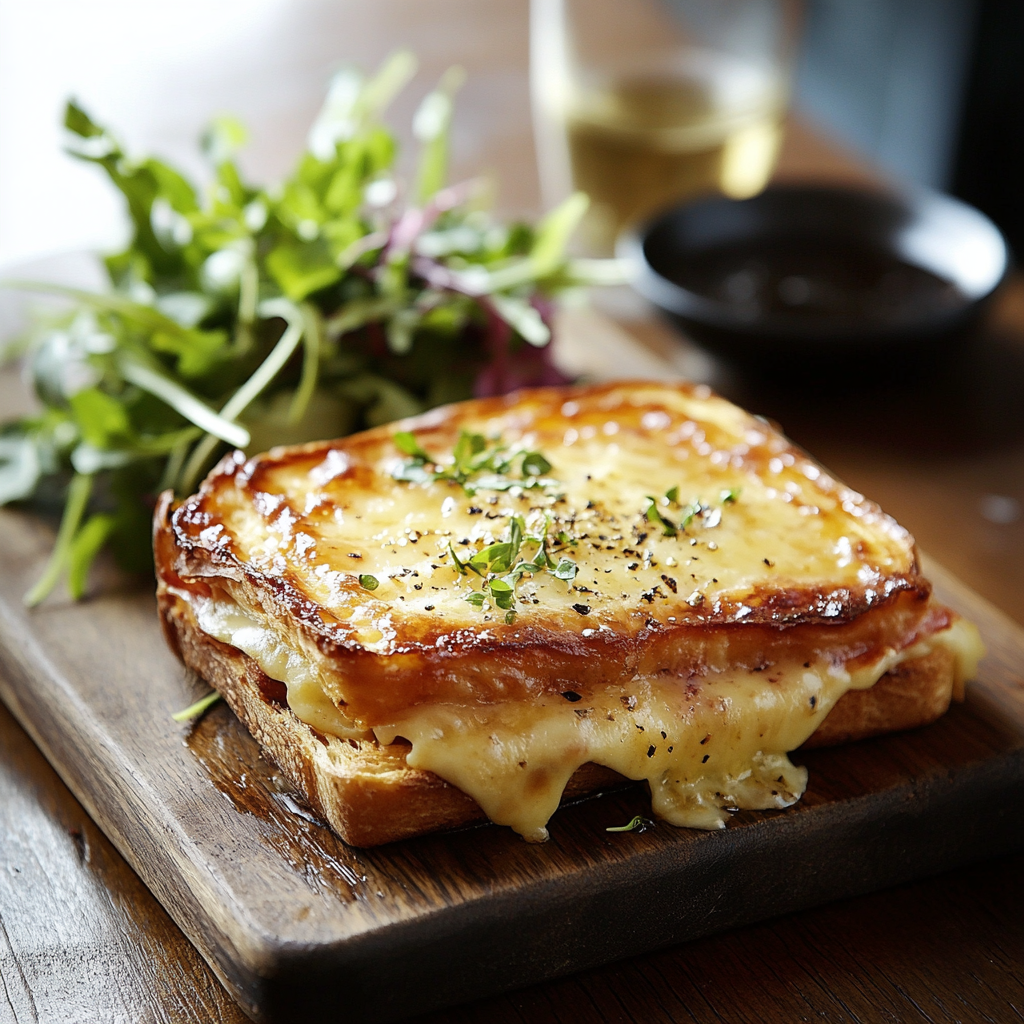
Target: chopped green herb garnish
point(534, 464)
point(368, 582)
point(565, 570)
point(668, 528)
point(688, 514)
point(460, 567)
point(501, 593)
point(476, 463)
point(502, 567)
point(495, 558)
point(406, 443)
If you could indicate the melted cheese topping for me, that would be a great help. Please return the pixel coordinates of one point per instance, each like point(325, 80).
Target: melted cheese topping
point(706, 746)
point(322, 518)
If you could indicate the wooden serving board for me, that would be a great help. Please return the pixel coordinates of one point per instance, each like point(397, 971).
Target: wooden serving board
point(294, 922)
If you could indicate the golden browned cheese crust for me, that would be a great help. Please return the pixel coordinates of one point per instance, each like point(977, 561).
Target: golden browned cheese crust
point(798, 560)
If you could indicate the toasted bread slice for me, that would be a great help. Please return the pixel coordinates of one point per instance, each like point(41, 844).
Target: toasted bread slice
point(636, 575)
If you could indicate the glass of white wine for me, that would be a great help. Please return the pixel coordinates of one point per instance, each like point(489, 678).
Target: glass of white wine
point(640, 103)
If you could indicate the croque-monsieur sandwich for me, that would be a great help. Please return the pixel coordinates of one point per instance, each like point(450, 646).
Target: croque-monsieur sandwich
point(505, 602)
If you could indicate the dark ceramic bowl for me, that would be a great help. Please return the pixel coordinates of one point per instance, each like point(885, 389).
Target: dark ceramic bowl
point(804, 275)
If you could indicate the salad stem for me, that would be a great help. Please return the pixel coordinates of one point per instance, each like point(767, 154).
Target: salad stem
point(311, 338)
point(79, 491)
point(248, 299)
point(251, 389)
point(185, 403)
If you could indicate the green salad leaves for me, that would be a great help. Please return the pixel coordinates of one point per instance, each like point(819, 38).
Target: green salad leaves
point(247, 316)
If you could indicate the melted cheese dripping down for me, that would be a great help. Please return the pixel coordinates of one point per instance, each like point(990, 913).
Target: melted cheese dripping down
point(705, 753)
point(231, 624)
point(717, 745)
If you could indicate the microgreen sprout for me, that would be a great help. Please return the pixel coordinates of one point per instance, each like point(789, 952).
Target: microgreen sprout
point(476, 463)
point(638, 824)
point(197, 709)
point(502, 565)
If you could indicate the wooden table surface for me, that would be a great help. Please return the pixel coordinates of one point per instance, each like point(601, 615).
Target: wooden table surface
point(81, 939)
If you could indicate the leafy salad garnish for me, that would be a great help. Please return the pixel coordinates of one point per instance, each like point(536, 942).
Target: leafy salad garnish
point(247, 316)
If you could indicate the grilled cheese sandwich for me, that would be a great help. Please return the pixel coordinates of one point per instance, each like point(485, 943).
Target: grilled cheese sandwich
point(502, 594)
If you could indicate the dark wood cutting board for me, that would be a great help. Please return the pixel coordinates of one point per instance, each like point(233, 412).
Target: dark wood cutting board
point(294, 922)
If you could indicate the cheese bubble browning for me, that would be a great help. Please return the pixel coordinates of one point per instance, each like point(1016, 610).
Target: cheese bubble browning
point(700, 641)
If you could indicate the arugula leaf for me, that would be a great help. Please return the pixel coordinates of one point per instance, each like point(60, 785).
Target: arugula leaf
point(223, 138)
point(197, 352)
point(102, 420)
point(301, 268)
point(20, 467)
point(79, 122)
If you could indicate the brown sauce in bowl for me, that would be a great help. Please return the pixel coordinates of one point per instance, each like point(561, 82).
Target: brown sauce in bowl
point(816, 280)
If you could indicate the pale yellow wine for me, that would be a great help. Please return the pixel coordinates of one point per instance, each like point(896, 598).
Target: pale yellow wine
point(649, 140)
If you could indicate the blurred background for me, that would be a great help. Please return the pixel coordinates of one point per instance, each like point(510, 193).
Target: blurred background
point(927, 92)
